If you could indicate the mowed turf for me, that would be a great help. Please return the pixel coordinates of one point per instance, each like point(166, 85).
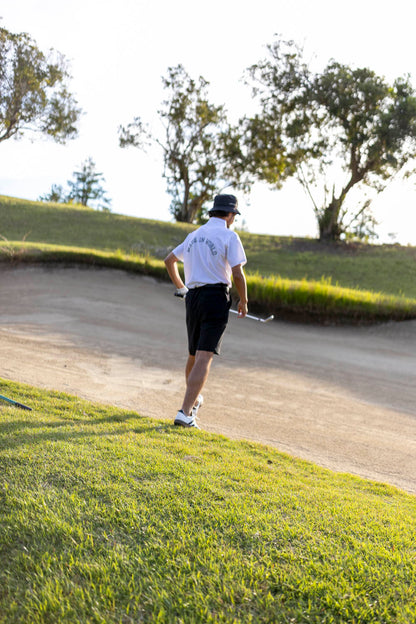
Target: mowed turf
point(110, 517)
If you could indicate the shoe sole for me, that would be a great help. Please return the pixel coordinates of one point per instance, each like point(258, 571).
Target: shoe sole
point(182, 424)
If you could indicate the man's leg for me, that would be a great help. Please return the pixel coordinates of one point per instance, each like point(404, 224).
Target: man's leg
point(189, 366)
point(197, 370)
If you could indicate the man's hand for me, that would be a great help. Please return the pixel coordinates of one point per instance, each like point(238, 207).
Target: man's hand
point(181, 292)
point(242, 309)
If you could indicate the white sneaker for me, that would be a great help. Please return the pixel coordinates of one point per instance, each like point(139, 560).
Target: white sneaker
point(199, 401)
point(185, 421)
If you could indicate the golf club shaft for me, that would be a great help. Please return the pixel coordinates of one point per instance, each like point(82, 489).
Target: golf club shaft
point(15, 403)
point(255, 318)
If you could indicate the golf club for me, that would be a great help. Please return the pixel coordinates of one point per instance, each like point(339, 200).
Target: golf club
point(256, 318)
point(15, 403)
point(250, 316)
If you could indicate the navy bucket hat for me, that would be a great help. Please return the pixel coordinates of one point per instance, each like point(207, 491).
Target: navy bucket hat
point(226, 203)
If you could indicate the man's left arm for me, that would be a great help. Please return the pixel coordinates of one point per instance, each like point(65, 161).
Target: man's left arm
point(241, 286)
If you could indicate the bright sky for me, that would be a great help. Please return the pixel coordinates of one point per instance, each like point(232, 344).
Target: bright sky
point(118, 52)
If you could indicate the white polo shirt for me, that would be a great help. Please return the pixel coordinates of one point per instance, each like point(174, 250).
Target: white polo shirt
point(209, 253)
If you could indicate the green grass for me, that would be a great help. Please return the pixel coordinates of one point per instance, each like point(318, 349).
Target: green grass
point(78, 226)
point(45, 253)
point(381, 268)
point(325, 302)
point(110, 517)
point(291, 278)
point(389, 269)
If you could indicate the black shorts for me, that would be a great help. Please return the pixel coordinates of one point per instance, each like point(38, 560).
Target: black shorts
point(207, 311)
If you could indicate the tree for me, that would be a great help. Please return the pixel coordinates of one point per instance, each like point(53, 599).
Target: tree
point(56, 194)
point(33, 91)
point(84, 189)
point(192, 143)
point(346, 123)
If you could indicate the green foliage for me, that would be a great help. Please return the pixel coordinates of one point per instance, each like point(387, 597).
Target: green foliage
point(56, 195)
point(84, 189)
point(191, 145)
point(110, 517)
point(345, 124)
point(272, 144)
point(33, 90)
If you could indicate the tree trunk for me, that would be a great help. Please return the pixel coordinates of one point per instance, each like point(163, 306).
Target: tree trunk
point(329, 227)
point(185, 201)
point(188, 209)
point(195, 208)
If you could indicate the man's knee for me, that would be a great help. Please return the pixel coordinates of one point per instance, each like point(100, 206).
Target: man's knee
point(203, 357)
point(202, 363)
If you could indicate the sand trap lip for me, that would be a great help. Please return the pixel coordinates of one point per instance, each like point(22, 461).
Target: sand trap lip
point(344, 398)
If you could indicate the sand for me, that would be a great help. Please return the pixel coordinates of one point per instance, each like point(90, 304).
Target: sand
point(341, 397)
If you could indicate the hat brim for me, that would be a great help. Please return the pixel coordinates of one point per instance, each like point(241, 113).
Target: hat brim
point(225, 210)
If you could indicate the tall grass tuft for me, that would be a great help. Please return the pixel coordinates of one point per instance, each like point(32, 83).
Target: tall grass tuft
point(324, 301)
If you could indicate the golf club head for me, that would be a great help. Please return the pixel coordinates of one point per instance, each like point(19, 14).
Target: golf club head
point(266, 320)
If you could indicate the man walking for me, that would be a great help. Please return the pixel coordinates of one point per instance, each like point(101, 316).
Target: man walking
point(212, 255)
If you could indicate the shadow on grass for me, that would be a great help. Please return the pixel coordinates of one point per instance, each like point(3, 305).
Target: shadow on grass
point(17, 433)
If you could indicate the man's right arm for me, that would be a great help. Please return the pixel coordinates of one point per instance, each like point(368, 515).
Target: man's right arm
point(241, 286)
point(171, 263)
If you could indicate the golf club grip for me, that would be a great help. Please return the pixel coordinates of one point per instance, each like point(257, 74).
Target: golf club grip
point(25, 407)
point(15, 403)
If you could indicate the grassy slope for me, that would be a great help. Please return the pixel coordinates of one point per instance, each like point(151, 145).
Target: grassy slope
point(136, 244)
point(83, 227)
point(109, 517)
point(389, 269)
point(386, 269)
